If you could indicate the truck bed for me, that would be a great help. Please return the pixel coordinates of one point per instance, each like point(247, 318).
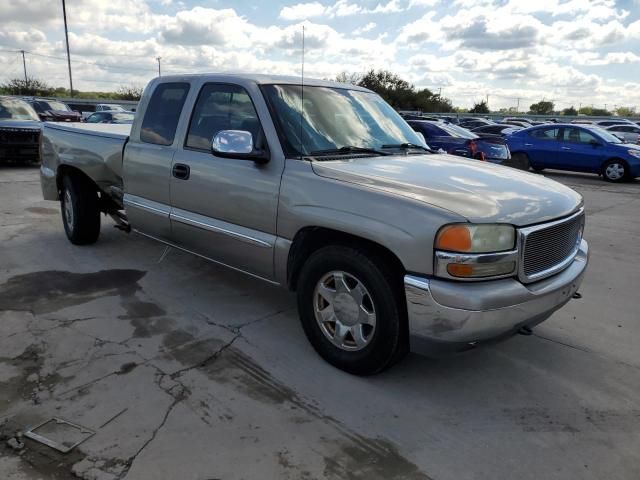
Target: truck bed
point(95, 149)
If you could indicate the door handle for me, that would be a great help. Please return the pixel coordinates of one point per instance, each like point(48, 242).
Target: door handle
point(565, 148)
point(528, 144)
point(181, 171)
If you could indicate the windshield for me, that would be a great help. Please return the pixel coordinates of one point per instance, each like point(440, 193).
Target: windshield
point(14, 109)
point(52, 105)
point(457, 131)
point(606, 136)
point(335, 118)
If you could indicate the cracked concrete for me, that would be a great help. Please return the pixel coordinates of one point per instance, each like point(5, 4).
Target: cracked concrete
point(189, 371)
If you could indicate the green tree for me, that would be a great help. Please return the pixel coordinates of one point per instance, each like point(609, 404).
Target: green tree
point(541, 108)
point(30, 86)
point(569, 111)
point(480, 107)
point(626, 111)
point(346, 77)
point(396, 91)
point(129, 92)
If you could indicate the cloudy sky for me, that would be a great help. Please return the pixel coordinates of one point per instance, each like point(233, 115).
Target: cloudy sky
point(570, 51)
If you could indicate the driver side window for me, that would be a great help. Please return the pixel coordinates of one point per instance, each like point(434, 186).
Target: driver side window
point(222, 107)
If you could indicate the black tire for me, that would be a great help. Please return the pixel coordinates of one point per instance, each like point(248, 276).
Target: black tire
point(519, 160)
point(537, 169)
point(82, 225)
point(389, 340)
point(615, 171)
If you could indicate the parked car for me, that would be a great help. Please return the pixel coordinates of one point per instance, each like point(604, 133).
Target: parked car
point(518, 123)
point(470, 124)
point(19, 131)
point(387, 245)
point(54, 111)
point(102, 107)
point(461, 142)
point(576, 148)
point(629, 133)
point(610, 123)
point(111, 117)
point(502, 129)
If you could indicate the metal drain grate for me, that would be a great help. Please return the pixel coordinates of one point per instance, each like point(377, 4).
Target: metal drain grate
point(59, 434)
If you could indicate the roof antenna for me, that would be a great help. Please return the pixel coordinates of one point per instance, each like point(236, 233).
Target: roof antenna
point(302, 94)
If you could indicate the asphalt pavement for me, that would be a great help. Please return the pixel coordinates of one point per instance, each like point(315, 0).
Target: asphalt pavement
point(175, 368)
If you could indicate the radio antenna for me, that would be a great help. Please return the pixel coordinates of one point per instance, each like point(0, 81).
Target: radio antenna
point(302, 94)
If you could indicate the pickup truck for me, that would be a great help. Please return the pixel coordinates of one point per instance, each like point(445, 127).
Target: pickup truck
point(322, 188)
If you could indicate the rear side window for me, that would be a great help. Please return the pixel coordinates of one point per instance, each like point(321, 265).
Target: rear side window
point(545, 133)
point(163, 112)
point(222, 107)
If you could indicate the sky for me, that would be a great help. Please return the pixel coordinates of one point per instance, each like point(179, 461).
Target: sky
point(516, 52)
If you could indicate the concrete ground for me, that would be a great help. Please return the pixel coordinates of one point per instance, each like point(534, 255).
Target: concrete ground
point(188, 371)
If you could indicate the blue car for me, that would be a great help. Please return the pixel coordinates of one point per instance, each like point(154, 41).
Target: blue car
point(459, 141)
point(577, 148)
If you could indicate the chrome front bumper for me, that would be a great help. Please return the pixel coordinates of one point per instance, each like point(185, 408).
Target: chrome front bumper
point(446, 314)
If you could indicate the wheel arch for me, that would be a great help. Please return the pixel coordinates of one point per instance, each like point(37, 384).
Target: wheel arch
point(106, 203)
point(311, 238)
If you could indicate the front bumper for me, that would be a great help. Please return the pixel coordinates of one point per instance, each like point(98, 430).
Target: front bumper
point(448, 315)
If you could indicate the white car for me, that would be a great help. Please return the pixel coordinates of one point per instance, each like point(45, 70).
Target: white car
point(628, 133)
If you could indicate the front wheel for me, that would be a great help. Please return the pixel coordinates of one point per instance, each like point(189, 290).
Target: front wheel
point(351, 310)
point(615, 171)
point(80, 210)
point(519, 160)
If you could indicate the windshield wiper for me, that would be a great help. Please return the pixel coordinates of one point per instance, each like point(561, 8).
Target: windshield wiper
point(407, 146)
point(346, 150)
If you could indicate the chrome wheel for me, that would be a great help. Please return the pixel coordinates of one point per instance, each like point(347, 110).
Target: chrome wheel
point(344, 311)
point(67, 208)
point(615, 171)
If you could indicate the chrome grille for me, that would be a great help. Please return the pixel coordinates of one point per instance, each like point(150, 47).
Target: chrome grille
point(549, 248)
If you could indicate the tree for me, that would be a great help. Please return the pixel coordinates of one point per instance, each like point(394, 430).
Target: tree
point(396, 91)
point(572, 112)
point(541, 108)
point(129, 92)
point(346, 77)
point(480, 107)
point(31, 86)
point(626, 111)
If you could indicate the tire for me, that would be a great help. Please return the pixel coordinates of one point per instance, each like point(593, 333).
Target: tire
point(360, 286)
point(537, 169)
point(80, 210)
point(519, 160)
point(615, 171)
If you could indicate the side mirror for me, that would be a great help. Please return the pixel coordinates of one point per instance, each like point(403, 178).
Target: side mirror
point(237, 144)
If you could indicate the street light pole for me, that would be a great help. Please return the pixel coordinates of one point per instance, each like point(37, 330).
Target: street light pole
point(159, 73)
point(24, 65)
point(66, 36)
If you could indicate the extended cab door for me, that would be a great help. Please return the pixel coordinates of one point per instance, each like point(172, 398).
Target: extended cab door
point(147, 159)
point(225, 208)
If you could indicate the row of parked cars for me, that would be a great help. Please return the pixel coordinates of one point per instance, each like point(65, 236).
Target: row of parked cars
point(20, 123)
point(610, 148)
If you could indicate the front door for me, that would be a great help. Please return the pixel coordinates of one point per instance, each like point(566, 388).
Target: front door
point(222, 208)
point(581, 150)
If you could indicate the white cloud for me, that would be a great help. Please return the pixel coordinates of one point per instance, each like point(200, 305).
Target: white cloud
point(366, 28)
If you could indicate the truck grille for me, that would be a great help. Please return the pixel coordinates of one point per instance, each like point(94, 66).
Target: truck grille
point(549, 248)
point(16, 136)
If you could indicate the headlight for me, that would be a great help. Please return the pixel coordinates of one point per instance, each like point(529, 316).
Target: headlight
point(469, 238)
point(475, 252)
point(634, 153)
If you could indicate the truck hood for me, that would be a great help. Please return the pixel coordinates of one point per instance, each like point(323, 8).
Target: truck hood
point(478, 191)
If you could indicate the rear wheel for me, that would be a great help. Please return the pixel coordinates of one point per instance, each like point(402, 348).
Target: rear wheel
point(615, 170)
point(80, 210)
point(537, 169)
point(351, 310)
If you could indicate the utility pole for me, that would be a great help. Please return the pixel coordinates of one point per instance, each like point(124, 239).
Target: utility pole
point(158, 59)
point(24, 65)
point(518, 105)
point(66, 36)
